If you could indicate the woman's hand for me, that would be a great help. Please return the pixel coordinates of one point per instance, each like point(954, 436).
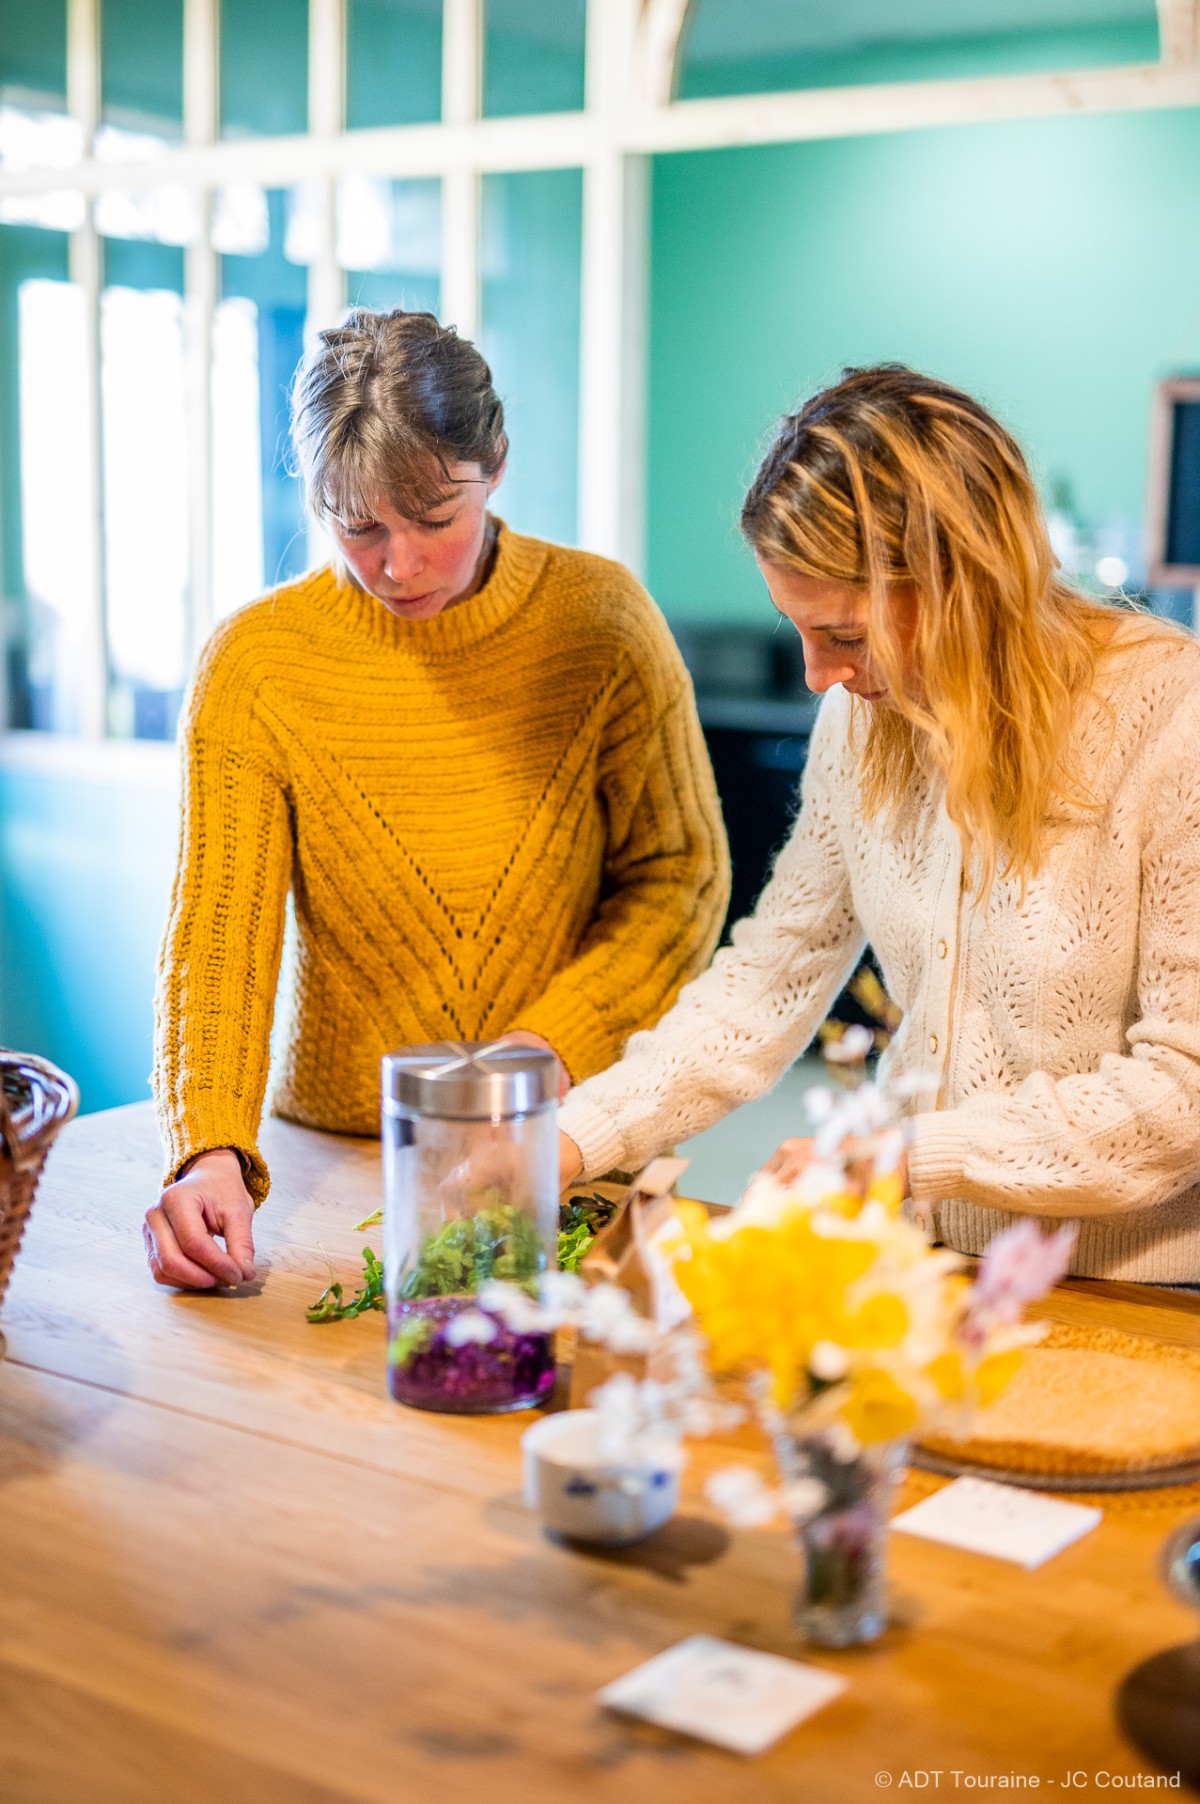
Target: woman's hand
point(209, 1200)
point(788, 1160)
point(521, 1038)
point(570, 1161)
point(488, 1159)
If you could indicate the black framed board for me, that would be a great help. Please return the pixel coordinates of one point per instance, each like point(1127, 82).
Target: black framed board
point(1173, 503)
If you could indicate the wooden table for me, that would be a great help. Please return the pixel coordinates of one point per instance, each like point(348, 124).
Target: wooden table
point(233, 1569)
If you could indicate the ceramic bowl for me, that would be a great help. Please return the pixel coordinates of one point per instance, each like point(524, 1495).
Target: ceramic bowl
point(579, 1493)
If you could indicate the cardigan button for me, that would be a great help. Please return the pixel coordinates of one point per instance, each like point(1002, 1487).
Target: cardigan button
point(933, 1042)
point(942, 948)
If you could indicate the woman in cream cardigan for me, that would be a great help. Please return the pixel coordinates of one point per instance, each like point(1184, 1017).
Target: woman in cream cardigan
point(1002, 797)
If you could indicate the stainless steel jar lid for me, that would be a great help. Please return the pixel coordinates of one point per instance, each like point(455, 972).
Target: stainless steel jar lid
point(469, 1081)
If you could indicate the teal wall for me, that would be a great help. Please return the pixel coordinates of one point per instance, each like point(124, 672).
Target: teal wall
point(1051, 266)
point(85, 872)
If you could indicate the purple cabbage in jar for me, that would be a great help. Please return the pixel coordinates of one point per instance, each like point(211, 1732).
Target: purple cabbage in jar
point(511, 1371)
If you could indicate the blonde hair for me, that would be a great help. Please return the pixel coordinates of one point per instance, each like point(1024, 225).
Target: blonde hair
point(891, 477)
point(385, 403)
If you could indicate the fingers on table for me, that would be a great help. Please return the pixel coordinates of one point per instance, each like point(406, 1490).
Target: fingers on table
point(168, 1263)
point(182, 1250)
point(239, 1243)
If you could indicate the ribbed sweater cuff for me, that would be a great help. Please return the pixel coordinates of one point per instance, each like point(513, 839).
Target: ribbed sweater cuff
point(183, 1143)
point(935, 1159)
point(594, 1133)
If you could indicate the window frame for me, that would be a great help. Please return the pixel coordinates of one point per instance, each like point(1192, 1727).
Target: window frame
point(631, 56)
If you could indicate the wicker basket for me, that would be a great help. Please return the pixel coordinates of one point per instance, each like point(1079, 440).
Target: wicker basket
point(36, 1099)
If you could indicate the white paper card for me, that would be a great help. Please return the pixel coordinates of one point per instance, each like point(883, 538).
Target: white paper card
point(734, 1696)
point(1002, 1520)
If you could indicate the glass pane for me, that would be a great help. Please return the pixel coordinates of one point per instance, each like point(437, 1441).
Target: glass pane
point(34, 130)
point(389, 242)
point(258, 514)
point(141, 66)
point(40, 140)
point(42, 487)
point(532, 238)
point(533, 56)
point(33, 52)
point(166, 215)
point(394, 62)
point(264, 67)
point(145, 489)
point(735, 49)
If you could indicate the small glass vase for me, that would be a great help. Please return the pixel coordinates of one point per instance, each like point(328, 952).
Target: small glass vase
point(842, 1599)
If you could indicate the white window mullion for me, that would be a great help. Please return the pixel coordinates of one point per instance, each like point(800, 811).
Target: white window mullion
point(326, 295)
point(660, 35)
point(201, 71)
point(201, 25)
point(326, 121)
point(612, 356)
point(612, 300)
point(1179, 31)
point(462, 99)
point(85, 266)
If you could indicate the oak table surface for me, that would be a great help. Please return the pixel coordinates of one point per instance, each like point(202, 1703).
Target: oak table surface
point(231, 1568)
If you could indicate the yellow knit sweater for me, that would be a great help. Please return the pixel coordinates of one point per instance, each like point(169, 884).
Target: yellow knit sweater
point(500, 818)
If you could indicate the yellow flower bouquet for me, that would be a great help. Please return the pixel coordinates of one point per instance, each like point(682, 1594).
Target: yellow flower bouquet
point(849, 1330)
point(836, 1307)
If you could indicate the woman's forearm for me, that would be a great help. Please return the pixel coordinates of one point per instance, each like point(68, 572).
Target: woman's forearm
point(220, 957)
point(735, 1029)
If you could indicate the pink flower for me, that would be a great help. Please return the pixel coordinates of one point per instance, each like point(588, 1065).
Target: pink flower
point(1018, 1266)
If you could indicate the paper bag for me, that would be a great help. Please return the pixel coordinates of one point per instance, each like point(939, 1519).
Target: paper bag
point(618, 1255)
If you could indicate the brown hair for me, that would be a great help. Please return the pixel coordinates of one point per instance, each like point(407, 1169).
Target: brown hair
point(385, 404)
point(889, 476)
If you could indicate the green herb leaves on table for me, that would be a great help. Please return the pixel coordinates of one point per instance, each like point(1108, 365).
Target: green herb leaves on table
point(329, 1306)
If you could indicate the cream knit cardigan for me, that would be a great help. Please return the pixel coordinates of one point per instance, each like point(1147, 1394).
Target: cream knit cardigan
point(1063, 1027)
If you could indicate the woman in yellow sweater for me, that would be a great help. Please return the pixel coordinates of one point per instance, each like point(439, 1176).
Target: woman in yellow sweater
point(472, 757)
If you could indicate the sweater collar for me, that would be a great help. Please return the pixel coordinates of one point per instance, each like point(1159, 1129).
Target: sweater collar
point(518, 564)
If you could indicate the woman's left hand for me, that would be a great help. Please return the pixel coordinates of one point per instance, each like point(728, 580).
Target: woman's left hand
point(788, 1160)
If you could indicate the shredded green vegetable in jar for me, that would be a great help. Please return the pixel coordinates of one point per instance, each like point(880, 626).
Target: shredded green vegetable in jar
point(497, 1240)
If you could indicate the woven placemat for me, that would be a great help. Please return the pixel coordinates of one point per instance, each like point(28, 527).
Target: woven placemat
point(1144, 1483)
point(1116, 1340)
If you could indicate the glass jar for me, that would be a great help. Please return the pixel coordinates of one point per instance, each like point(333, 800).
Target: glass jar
point(470, 1170)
